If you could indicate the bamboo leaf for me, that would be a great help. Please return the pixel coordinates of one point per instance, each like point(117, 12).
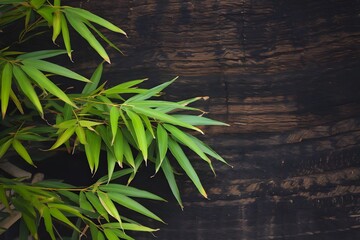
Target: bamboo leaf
point(21, 150)
point(92, 149)
point(16, 101)
point(110, 235)
point(139, 132)
point(46, 12)
point(129, 191)
point(44, 82)
point(66, 124)
point(170, 177)
point(84, 203)
point(82, 13)
point(148, 125)
point(5, 87)
point(128, 154)
point(114, 122)
point(97, 205)
point(131, 227)
point(123, 86)
point(88, 124)
point(150, 93)
point(185, 164)
point(111, 162)
point(162, 143)
point(5, 146)
point(132, 205)
point(109, 206)
point(80, 133)
point(118, 147)
point(198, 120)
point(94, 80)
point(63, 137)
point(26, 87)
point(43, 54)
point(56, 213)
point(54, 68)
point(3, 197)
point(115, 175)
point(37, 3)
point(81, 28)
point(163, 117)
point(66, 35)
point(56, 24)
point(186, 140)
point(48, 222)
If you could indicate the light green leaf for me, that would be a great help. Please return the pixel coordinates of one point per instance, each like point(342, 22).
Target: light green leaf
point(80, 133)
point(92, 150)
point(54, 68)
point(163, 117)
point(170, 177)
point(82, 13)
point(16, 101)
point(111, 162)
point(26, 87)
point(21, 150)
point(66, 35)
point(115, 175)
point(56, 24)
point(129, 191)
point(45, 83)
point(88, 124)
point(131, 227)
point(132, 205)
point(81, 28)
point(5, 87)
point(40, 54)
point(128, 154)
point(84, 203)
point(148, 125)
point(123, 86)
point(114, 122)
point(162, 143)
point(109, 206)
point(37, 3)
point(186, 140)
point(139, 132)
point(56, 213)
point(110, 235)
point(150, 93)
point(185, 164)
point(94, 80)
point(66, 124)
point(48, 222)
point(198, 120)
point(46, 12)
point(97, 205)
point(5, 146)
point(63, 137)
point(118, 147)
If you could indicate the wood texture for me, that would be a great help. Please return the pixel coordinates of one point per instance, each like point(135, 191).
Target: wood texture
point(285, 75)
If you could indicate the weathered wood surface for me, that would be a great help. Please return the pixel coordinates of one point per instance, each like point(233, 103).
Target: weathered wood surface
point(285, 75)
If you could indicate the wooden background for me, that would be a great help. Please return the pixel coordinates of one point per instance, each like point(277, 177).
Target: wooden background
point(285, 75)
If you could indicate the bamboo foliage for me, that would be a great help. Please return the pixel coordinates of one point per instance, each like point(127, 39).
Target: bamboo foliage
point(129, 125)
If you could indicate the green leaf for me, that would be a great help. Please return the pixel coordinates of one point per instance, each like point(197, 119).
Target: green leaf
point(30, 224)
point(36, 55)
point(84, 203)
point(3, 198)
point(56, 24)
point(163, 117)
point(129, 191)
point(63, 137)
point(109, 206)
point(56, 213)
point(170, 177)
point(186, 140)
point(94, 80)
point(148, 125)
point(118, 146)
point(128, 154)
point(46, 12)
point(82, 13)
point(66, 35)
point(88, 124)
point(131, 227)
point(66, 124)
point(198, 120)
point(132, 205)
point(150, 93)
point(16, 101)
point(80, 133)
point(45, 83)
point(92, 150)
point(37, 3)
point(48, 222)
point(5, 146)
point(81, 28)
point(21, 150)
point(123, 86)
point(114, 122)
point(11, 1)
point(162, 143)
point(111, 162)
point(110, 235)
point(115, 175)
point(185, 164)
point(26, 87)
point(5, 87)
point(54, 68)
point(97, 205)
point(139, 132)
